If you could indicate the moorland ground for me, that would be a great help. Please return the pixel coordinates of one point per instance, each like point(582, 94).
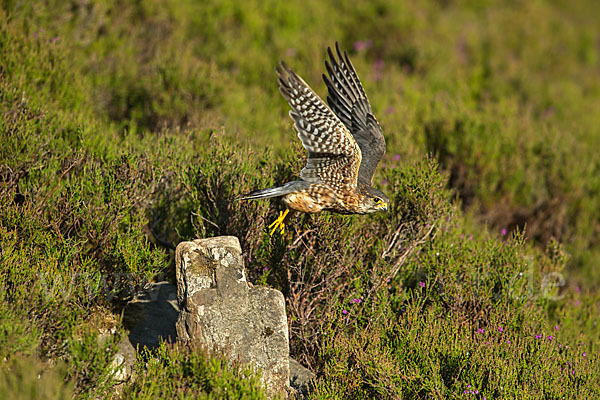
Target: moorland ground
point(118, 118)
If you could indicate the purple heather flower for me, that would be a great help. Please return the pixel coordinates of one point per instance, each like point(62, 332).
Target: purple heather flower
point(384, 181)
point(584, 354)
point(344, 312)
point(356, 301)
point(538, 336)
point(470, 237)
point(54, 39)
point(560, 346)
point(577, 289)
point(422, 284)
point(501, 329)
point(556, 327)
point(363, 45)
point(503, 231)
point(508, 341)
point(550, 338)
point(396, 157)
point(480, 330)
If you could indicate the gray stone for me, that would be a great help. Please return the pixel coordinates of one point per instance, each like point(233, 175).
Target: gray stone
point(122, 363)
point(150, 317)
point(300, 379)
point(221, 312)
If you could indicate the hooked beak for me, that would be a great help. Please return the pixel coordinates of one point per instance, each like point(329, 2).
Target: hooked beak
point(384, 206)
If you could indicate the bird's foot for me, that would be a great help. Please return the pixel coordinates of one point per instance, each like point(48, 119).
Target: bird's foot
point(279, 222)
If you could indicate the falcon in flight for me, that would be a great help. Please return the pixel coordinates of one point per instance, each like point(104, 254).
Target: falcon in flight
point(344, 143)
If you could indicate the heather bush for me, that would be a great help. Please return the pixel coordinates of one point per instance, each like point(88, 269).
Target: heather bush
point(127, 127)
point(175, 371)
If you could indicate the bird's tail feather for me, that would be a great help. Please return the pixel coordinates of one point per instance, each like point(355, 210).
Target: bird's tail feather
point(274, 191)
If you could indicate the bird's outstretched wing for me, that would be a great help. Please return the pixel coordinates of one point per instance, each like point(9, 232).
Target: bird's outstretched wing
point(333, 155)
point(348, 100)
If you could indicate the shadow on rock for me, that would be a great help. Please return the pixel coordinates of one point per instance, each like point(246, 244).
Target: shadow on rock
point(151, 316)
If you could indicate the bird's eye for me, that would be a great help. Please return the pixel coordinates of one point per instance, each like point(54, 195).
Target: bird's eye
point(377, 200)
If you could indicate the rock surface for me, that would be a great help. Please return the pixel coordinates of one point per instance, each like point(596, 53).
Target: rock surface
point(220, 311)
point(300, 379)
point(122, 363)
point(151, 316)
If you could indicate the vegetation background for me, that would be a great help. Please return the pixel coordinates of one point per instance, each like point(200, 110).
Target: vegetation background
point(118, 118)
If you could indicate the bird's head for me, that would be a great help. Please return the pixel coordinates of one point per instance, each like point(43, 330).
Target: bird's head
point(373, 200)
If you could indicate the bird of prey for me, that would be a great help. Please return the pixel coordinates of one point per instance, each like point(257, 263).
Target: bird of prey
point(344, 143)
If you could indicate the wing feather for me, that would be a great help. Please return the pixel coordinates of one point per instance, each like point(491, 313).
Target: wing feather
point(334, 157)
point(348, 100)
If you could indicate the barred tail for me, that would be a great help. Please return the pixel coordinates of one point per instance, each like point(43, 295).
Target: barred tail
point(289, 187)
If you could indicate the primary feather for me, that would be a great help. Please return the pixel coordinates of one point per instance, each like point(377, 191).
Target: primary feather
point(348, 100)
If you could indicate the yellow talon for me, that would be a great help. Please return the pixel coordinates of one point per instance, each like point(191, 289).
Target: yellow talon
point(279, 222)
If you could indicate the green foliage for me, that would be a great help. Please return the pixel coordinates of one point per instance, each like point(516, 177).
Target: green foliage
point(119, 119)
point(191, 374)
point(464, 318)
point(428, 353)
point(24, 378)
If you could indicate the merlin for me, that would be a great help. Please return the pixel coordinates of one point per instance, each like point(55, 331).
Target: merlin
point(344, 142)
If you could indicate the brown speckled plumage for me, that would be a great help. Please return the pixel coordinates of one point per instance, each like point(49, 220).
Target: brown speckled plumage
point(344, 143)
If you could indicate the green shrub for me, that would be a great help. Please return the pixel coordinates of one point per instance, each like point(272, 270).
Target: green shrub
point(25, 378)
point(122, 122)
point(186, 373)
